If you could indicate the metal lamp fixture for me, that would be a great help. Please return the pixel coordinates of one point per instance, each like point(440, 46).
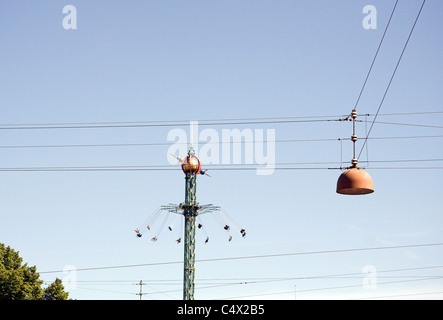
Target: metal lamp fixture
point(354, 181)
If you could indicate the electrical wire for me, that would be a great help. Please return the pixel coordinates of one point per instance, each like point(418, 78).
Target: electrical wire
point(160, 144)
point(392, 77)
point(186, 122)
point(255, 257)
point(375, 56)
point(405, 295)
point(404, 124)
point(261, 280)
point(166, 122)
point(170, 124)
point(331, 288)
point(406, 113)
point(215, 167)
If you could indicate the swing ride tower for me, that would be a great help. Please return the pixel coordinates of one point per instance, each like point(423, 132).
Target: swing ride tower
point(191, 211)
point(191, 168)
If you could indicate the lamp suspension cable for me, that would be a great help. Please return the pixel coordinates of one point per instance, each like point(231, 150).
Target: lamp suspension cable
point(392, 76)
point(354, 137)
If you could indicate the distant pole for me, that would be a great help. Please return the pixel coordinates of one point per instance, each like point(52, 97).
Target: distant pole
point(141, 290)
point(295, 292)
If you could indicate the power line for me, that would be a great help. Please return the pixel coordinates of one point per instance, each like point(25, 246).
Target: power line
point(403, 137)
point(159, 144)
point(340, 276)
point(405, 295)
point(256, 257)
point(217, 167)
point(407, 168)
point(392, 77)
point(405, 113)
point(186, 122)
point(178, 124)
point(168, 122)
point(259, 280)
point(405, 124)
point(376, 54)
point(264, 279)
point(337, 287)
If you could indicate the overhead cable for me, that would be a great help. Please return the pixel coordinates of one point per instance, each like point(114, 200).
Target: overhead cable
point(392, 77)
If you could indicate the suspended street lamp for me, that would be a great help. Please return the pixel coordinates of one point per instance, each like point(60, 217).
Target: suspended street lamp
point(354, 181)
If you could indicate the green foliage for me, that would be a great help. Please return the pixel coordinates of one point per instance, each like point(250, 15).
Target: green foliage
point(20, 282)
point(55, 291)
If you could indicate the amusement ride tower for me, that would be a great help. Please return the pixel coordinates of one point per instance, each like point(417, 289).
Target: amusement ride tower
point(190, 209)
point(191, 168)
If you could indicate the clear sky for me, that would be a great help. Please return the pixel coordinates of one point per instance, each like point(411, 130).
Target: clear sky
point(131, 61)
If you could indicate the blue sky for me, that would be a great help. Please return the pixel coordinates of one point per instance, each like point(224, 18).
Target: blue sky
point(181, 60)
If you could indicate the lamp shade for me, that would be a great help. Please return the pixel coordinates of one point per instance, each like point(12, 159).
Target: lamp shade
point(355, 181)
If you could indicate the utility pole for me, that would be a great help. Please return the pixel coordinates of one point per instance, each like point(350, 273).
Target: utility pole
point(141, 284)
